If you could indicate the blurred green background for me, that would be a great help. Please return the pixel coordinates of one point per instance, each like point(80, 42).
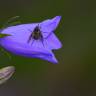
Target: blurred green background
point(75, 75)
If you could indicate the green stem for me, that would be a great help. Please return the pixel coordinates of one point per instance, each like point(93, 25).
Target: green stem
point(9, 56)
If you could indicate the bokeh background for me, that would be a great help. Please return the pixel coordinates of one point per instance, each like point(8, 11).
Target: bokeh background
point(75, 75)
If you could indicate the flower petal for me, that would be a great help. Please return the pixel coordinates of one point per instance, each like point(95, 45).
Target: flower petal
point(18, 44)
point(52, 42)
point(27, 50)
point(20, 33)
point(49, 26)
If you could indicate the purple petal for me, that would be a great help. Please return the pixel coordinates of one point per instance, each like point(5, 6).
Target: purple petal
point(52, 42)
point(20, 33)
point(17, 43)
point(28, 51)
point(49, 26)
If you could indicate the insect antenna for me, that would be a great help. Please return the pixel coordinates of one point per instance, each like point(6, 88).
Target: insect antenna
point(30, 37)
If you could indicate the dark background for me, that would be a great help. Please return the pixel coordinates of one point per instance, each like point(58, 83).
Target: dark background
point(75, 75)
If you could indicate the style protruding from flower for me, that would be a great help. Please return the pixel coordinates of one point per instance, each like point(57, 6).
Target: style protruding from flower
point(35, 40)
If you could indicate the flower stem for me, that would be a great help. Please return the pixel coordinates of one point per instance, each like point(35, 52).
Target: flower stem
point(9, 56)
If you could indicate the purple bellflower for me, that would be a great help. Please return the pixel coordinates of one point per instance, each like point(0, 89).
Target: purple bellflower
point(35, 40)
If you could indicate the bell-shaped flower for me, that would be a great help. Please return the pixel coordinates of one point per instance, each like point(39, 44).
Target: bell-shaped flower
point(33, 40)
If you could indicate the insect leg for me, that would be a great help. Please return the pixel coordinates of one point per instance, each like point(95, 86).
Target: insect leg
point(29, 36)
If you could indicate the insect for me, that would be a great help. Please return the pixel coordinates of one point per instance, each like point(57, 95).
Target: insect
point(6, 73)
point(36, 34)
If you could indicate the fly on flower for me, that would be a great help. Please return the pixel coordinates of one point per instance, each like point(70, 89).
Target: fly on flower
point(35, 40)
point(36, 34)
